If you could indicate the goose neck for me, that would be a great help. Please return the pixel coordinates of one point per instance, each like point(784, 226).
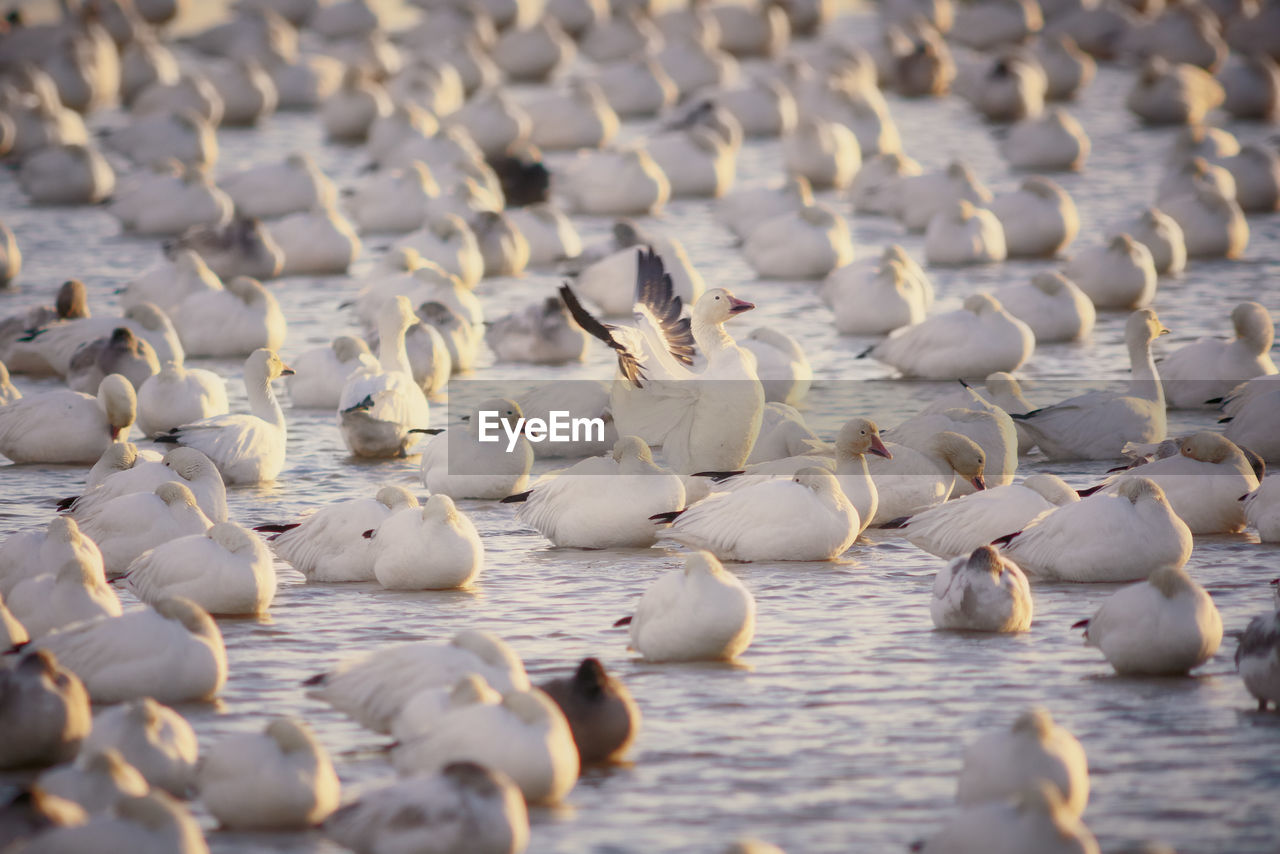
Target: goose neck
point(262, 400)
point(1146, 380)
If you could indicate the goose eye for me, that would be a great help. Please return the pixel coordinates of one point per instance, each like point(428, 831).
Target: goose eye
point(717, 298)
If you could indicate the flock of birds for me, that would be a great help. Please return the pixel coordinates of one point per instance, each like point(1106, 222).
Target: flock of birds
point(460, 181)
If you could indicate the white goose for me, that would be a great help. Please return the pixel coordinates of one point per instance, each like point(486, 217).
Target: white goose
point(696, 161)
point(374, 688)
point(979, 420)
point(170, 200)
point(1039, 219)
point(177, 396)
point(152, 824)
point(458, 464)
point(823, 153)
point(66, 175)
point(30, 554)
point(542, 333)
point(464, 808)
point(277, 189)
point(698, 613)
point(1119, 274)
point(874, 301)
point(317, 242)
point(578, 118)
point(1036, 819)
point(66, 426)
point(910, 480)
point(432, 548)
point(1256, 657)
point(978, 339)
point(551, 235)
point(247, 449)
point(805, 518)
point(1212, 224)
point(172, 653)
point(1096, 425)
point(321, 373)
point(127, 526)
point(279, 780)
point(925, 195)
point(1107, 537)
point(394, 201)
point(981, 592)
point(329, 545)
point(58, 343)
point(71, 594)
point(955, 528)
point(742, 210)
point(1262, 509)
point(1053, 306)
point(1051, 142)
point(877, 188)
point(1000, 764)
point(959, 233)
point(378, 408)
point(97, 781)
point(1256, 170)
point(1164, 626)
point(610, 282)
point(781, 365)
point(1211, 367)
point(142, 474)
point(447, 240)
point(603, 502)
point(225, 570)
point(613, 183)
point(46, 710)
point(805, 244)
point(154, 739)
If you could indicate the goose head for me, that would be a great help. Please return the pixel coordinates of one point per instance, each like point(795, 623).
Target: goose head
point(982, 304)
point(394, 317)
point(248, 290)
point(395, 497)
point(508, 411)
point(77, 573)
point(1049, 282)
point(860, 436)
point(72, 301)
point(232, 537)
point(1171, 581)
point(818, 479)
point(108, 762)
point(1210, 447)
point(190, 464)
point(704, 564)
point(439, 508)
point(987, 560)
point(119, 456)
point(964, 456)
point(718, 305)
point(1253, 325)
point(1143, 327)
point(893, 276)
point(292, 736)
point(64, 530)
point(119, 402)
point(193, 618)
point(156, 811)
point(348, 348)
point(633, 448)
point(489, 648)
point(1137, 489)
point(173, 493)
point(265, 364)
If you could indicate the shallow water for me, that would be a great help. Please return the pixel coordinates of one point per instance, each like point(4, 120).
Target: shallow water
point(842, 727)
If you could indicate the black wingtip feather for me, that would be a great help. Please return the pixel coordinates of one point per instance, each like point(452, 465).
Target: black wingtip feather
point(669, 516)
point(1005, 540)
point(718, 476)
point(518, 497)
point(1081, 624)
point(275, 528)
point(1085, 493)
point(625, 621)
point(627, 362)
point(900, 522)
point(64, 504)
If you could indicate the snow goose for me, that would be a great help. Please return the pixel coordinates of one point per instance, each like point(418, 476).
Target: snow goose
point(347, 114)
point(698, 613)
point(919, 63)
point(432, 548)
point(916, 279)
point(983, 422)
point(763, 106)
point(610, 282)
point(696, 65)
point(1251, 85)
point(1052, 305)
point(121, 353)
point(464, 808)
point(1119, 274)
point(669, 410)
point(393, 201)
point(120, 456)
point(466, 464)
point(742, 210)
point(521, 733)
point(67, 427)
point(1256, 656)
point(955, 528)
point(152, 824)
point(603, 502)
point(449, 242)
point(306, 82)
point(1186, 177)
point(388, 132)
point(619, 35)
point(321, 373)
point(247, 449)
point(1256, 170)
point(378, 408)
point(1212, 224)
point(548, 231)
point(1000, 764)
point(1054, 141)
point(1201, 140)
point(171, 199)
point(805, 518)
point(981, 592)
point(154, 739)
point(96, 781)
point(875, 300)
point(495, 122)
point(373, 689)
point(56, 344)
point(1162, 236)
point(152, 137)
point(1190, 34)
point(71, 304)
point(1096, 425)
point(129, 525)
point(66, 175)
point(280, 779)
point(781, 365)
point(31, 554)
point(876, 189)
point(168, 283)
point(579, 117)
point(1036, 819)
point(1211, 367)
point(243, 247)
point(580, 399)
point(171, 652)
point(328, 545)
point(318, 242)
point(143, 61)
point(751, 32)
point(1253, 423)
point(960, 234)
point(806, 244)
point(925, 195)
point(696, 161)
point(974, 341)
point(189, 92)
point(1108, 537)
point(139, 473)
point(45, 710)
point(1068, 68)
point(1163, 626)
point(502, 246)
point(908, 480)
point(613, 183)
point(1039, 219)
point(226, 570)
point(602, 715)
point(1010, 88)
point(542, 333)
point(989, 24)
point(177, 396)
point(637, 87)
point(822, 152)
point(1166, 93)
point(247, 90)
point(533, 53)
point(576, 17)
point(1262, 510)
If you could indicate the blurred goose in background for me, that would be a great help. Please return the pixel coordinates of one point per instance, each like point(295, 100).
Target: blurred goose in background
point(1051, 142)
point(243, 247)
point(154, 739)
point(449, 242)
point(170, 281)
point(56, 344)
point(877, 188)
point(742, 210)
point(805, 244)
point(1191, 174)
point(152, 824)
point(960, 234)
point(1256, 170)
point(273, 190)
point(169, 199)
point(999, 764)
point(542, 333)
point(1167, 93)
point(533, 53)
point(1212, 224)
point(822, 152)
point(156, 137)
point(1052, 305)
point(502, 246)
point(1256, 657)
point(225, 570)
point(981, 592)
point(1039, 219)
point(1036, 819)
point(66, 175)
point(1131, 533)
point(97, 780)
point(697, 161)
point(347, 113)
point(1211, 367)
point(46, 712)
point(317, 242)
point(579, 117)
point(925, 195)
point(1012, 87)
point(329, 545)
point(247, 90)
point(636, 87)
point(177, 396)
point(189, 93)
point(171, 652)
point(394, 201)
point(67, 427)
point(1163, 238)
point(1251, 86)
point(1119, 274)
point(1164, 626)
point(874, 300)
point(1068, 69)
point(613, 183)
point(955, 528)
point(321, 373)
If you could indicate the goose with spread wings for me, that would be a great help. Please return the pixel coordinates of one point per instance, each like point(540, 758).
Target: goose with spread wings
point(705, 420)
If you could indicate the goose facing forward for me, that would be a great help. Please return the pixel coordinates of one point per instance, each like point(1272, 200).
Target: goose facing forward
point(605, 720)
point(982, 592)
point(999, 764)
point(432, 548)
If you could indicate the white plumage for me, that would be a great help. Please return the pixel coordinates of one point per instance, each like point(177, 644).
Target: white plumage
point(1000, 764)
point(226, 570)
point(378, 408)
point(329, 545)
point(698, 613)
point(432, 548)
point(129, 525)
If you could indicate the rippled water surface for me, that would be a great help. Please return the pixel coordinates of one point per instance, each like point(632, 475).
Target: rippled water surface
point(841, 728)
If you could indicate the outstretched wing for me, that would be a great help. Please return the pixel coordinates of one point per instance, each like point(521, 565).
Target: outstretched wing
point(628, 361)
point(657, 303)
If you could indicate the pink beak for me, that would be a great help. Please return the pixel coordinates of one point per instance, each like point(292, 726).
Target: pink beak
point(979, 483)
point(738, 306)
point(878, 448)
